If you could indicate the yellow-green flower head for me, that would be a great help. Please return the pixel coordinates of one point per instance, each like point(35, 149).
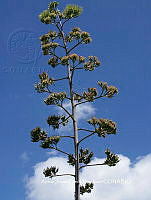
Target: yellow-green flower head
point(76, 29)
point(103, 85)
point(111, 91)
point(45, 17)
point(81, 59)
point(87, 40)
point(68, 38)
point(85, 35)
point(43, 76)
point(74, 57)
point(55, 98)
point(93, 91)
point(54, 45)
point(72, 11)
point(53, 15)
point(46, 46)
point(53, 61)
point(44, 37)
point(52, 34)
point(93, 121)
point(76, 35)
point(64, 60)
point(52, 5)
point(50, 45)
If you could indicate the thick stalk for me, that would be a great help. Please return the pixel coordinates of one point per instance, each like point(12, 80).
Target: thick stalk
point(76, 146)
point(75, 127)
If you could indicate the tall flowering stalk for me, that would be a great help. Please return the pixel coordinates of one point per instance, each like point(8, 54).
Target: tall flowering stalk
point(68, 42)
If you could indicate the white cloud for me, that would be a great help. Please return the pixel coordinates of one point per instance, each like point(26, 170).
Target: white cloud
point(123, 182)
point(84, 111)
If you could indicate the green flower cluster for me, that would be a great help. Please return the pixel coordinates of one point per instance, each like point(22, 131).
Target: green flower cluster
point(56, 120)
point(111, 159)
point(53, 5)
point(37, 134)
point(53, 61)
point(105, 126)
point(72, 11)
point(92, 63)
point(77, 97)
point(49, 16)
point(85, 156)
point(49, 47)
point(47, 42)
point(87, 188)
point(108, 91)
point(45, 81)
point(50, 172)
point(77, 34)
point(89, 96)
point(71, 160)
point(73, 57)
point(55, 98)
point(50, 141)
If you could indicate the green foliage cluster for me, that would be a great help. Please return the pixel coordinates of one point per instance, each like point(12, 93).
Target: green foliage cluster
point(112, 159)
point(92, 63)
point(56, 120)
point(108, 91)
point(49, 142)
point(103, 126)
point(45, 81)
point(37, 134)
point(51, 15)
point(92, 93)
point(87, 188)
point(77, 34)
point(85, 156)
point(89, 96)
point(50, 172)
point(71, 159)
point(55, 98)
point(72, 11)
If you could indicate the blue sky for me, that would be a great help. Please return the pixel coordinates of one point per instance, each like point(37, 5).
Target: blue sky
point(121, 33)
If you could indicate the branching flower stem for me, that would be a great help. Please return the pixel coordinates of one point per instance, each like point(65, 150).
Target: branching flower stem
point(89, 101)
point(64, 175)
point(59, 79)
point(92, 165)
point(66, 136)
point(65, 110)
point(75, 46)
point(59, 150)
point(86, 137)
point(83, 129)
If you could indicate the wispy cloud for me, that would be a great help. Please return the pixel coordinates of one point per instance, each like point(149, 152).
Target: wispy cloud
point(24, 157)
point(122, 182)
point(52, 153)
